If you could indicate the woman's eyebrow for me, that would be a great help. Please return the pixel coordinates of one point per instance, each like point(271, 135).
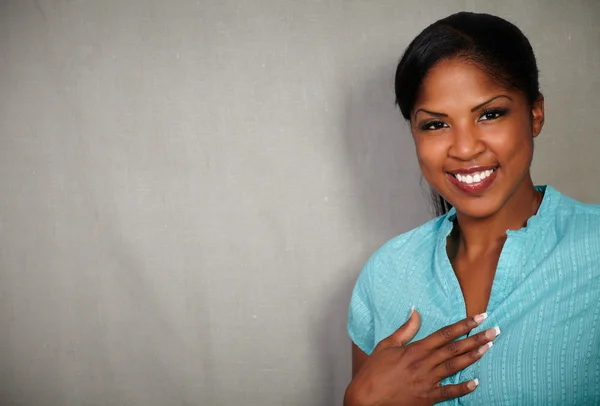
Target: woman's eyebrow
point(490, 100)
point(433, 113)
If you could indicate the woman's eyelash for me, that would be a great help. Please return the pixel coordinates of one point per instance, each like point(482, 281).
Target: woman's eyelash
point(432, 125)
point(486, 115)
point(492, 114)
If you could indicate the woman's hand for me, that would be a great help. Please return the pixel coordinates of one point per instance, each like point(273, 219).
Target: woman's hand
point(397, 374)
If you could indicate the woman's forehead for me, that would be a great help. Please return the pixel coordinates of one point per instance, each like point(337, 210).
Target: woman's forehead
point(457, 82)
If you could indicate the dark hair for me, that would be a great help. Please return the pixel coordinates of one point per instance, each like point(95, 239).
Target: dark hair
point(490, 42)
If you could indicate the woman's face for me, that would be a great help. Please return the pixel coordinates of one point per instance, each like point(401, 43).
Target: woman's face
point(474, 138)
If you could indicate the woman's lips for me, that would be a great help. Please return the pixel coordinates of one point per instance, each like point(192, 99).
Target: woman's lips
point(473, 180)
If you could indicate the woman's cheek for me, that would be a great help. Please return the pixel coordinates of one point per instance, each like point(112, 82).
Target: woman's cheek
point(432, 151)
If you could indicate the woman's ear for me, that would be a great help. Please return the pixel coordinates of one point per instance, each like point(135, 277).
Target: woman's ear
point(537, 115)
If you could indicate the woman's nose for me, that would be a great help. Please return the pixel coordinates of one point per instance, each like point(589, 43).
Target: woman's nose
point(466, 143)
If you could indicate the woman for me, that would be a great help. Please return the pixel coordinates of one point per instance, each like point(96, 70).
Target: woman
point(504, 255)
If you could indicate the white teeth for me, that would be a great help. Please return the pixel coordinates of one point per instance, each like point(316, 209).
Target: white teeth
point(474, 177)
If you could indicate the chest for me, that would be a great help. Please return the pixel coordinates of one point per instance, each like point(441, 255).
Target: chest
point(548, 354)
point(475, 278)
point(549, 314)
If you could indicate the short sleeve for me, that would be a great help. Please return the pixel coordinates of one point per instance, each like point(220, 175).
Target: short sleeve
point(360, 314)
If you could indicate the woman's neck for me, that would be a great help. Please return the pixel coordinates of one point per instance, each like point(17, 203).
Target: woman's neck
point(477, 236)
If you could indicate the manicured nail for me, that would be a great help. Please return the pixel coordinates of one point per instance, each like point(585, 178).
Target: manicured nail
point(480, 318)
point(473, 384)
point(484, 348)
point(492, 332)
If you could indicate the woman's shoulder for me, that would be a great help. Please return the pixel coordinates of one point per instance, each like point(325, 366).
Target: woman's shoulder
point(570, 210)
point(575, 219)
point(572, 207)
point(403, 249)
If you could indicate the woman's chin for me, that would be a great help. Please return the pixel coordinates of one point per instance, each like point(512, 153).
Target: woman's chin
point(476, 210)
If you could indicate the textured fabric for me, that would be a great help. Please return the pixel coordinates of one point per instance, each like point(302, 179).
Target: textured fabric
point(545, 297)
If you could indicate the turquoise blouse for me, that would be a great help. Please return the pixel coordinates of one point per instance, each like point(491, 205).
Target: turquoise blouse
point(545, 297)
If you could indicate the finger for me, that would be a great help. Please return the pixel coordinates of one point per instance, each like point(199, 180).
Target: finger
point(450, 333)
point(456, 364)
point(456, 348)
point(405, 333)
point(446, 392)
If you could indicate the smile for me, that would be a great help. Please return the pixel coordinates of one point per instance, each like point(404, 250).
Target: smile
point(474, 177)
point(473, 180)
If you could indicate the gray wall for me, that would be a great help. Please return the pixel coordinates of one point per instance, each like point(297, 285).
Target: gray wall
point(188, 189)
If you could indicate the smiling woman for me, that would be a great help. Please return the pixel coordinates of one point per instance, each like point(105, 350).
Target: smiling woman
point(466, 125)
point(503, 254)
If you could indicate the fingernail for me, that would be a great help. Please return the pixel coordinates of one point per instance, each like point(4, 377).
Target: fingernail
point(484, 348)
point(412, 310)
point(480, 318)
point(473, 384)
point(492, 332)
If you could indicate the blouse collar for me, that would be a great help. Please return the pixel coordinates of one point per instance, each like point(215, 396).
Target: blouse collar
point(545, 211)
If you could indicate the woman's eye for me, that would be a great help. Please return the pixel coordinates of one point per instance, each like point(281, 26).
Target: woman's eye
point(491, 115)
point(432, 125)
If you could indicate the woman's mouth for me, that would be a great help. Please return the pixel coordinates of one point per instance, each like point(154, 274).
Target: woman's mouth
point(473, 180)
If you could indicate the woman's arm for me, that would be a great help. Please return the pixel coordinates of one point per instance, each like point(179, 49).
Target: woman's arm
point(358, 359)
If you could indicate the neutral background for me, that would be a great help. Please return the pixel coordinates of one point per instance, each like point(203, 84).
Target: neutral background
point(188, 189)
